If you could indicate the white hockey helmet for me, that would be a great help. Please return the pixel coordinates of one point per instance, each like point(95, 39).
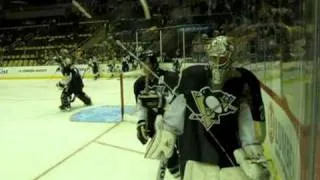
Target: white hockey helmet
point(219, 52)
point(67, 62)
point(64, 51)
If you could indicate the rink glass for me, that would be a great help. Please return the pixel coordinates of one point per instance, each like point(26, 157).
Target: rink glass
point(287, 65)
point(290, 74)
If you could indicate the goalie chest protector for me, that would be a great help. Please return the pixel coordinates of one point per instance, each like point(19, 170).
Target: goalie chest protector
point(76, 79)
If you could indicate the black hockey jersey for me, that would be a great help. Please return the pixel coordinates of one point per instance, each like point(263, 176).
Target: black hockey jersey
point(74, 78)
point(170, 78)
point(218, 110)
point(93, 63)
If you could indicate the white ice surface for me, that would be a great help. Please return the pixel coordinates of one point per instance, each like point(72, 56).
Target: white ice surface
point(37, 141)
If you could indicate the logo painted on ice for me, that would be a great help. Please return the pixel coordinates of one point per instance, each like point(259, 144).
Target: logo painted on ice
point(212, 104)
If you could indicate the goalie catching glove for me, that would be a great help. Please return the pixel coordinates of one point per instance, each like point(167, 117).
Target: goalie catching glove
point(252, 162)
point(61, 85)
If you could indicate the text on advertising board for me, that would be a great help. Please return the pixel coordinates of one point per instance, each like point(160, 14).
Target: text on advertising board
point(3, 71)
point(282, 142)
point(32, 70)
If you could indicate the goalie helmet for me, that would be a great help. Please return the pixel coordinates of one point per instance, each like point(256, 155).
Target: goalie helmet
point(219, 51)
point(68, 62)
point(64, 52)
point(149, 58)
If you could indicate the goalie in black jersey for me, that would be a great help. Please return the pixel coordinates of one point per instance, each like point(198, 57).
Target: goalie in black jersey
point(71, 84)
point(151, 94)
point(217, 119)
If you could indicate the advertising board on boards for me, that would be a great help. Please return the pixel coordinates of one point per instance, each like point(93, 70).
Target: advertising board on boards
point(3, 71)
point(284, 142)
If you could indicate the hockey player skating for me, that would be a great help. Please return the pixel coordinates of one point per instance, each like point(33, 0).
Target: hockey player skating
point(150, 96)
point(216, 120)
point(176, 64)
point(125, 64)
point(93, 63)
point(71, 84)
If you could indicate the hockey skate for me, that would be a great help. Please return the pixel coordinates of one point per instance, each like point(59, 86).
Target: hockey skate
point(87, 101)
point(84, 98)
point(88, 104)
point(65, 108)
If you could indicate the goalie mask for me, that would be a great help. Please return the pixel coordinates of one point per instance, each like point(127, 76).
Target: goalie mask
point(64, 52)
point(67, 62)
point(150, 59)
point(219, 51)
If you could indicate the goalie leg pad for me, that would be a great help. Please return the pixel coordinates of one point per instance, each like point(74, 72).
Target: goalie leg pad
point(233, 173)
point(204, 171)
point(84, 98)
point(65, 100)
point(163, 142)
point(201, 171)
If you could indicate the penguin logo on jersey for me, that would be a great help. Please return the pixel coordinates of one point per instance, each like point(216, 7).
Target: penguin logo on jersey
point(212, 104)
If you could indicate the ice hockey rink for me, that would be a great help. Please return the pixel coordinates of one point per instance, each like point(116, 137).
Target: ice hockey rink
point(40, 142)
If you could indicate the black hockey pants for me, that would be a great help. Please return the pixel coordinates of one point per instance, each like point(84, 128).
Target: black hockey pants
point(67, 93)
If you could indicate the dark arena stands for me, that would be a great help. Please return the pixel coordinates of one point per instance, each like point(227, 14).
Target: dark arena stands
point(33, 31)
